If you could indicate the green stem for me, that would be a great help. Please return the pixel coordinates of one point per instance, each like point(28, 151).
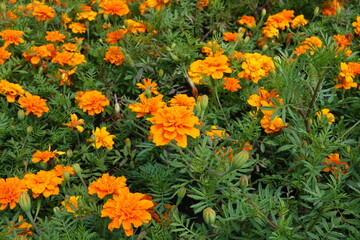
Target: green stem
point(32, 220)
point(220, 106)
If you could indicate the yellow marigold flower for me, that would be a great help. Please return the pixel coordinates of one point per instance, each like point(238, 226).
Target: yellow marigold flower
point(148, 86)
point(71, 203)
point(115, 36)
point(326, 113)
point(103, 138)
point(11, 90)
point(34, 54)
point(331, 7)
point(183, 100)
point(157, 4)
point(45, 156)
point(256, 66)
point(114, 7)
point(147, 105)
point(94, 102)
point(44, 182)
point(215, 132)
point(272, 126)
point(347, 75)
point(11, 37)
point(34, 104)
point(231, 84)
point(357, 25)
point(69, 58)
point(86, 14)
point(270, 32)
point(77, 27)
point(173, 123)
point(23, 226)
point(265, 99)
point(134, 26)
point(311, 43)
point(107, 185)
point(4, 54)
point(75, 123)
point(43, 12)
point(212, 49)
point(335, 165)
point(10, 190)
point(65, 19)
point(248, 21)
point(54, 36)
point(127, 209)
point(60, 169)
point(298, 21)
point(114, 55)
point(230, 37)
point(65, 76)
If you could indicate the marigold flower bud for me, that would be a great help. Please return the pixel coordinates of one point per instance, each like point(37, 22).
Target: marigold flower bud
point(265, 47)
point(43, 165)
point(263, 12)
point(161, 73)
point(316, 11)
point(247, 39)
point(244, 181)
point(204, 101)
point(181, 193)
point(21, 114)
point(57, 211)
point(77, 169)
point(174, 57)
point(3, 7)
point(25, 202)
point(29, 129)
point(209, 215)
point(239, 159)
point(66, 176)
point(117, 108)
point(69, 153)
point(128, 143)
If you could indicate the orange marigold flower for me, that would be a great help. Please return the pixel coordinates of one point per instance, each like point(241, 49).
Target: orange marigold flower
point(45, 156)
point(94, 102)
point(22, 229)
point(75, 123)
point(272, 126)
point(212, 49)
point(327, 114)
point(148, 86)
point(173, 123)
point(71, 203)
point(230, 37)
point(10, 190)
point(77, 27)
point(248, 21)
point(134, 26)
point(60, 169)
point(34, 104)
point(65, 19)
point(65, 76)
point(357, 25)
point(4, 54)
point(114, 7)
point(147, 105)
point(201, 4)
point(102, 138)
point(127, 209)
point(71, 47)
point(86, 14)
point(280, 20)
point(247, 147)
point(54, 36)
point(231, 84)
point(183, 100)
point(69, 58)
point(311, 43)
point(107, 185)
point(11, 15)
point(11, 37)
point(216, 133)
point(256, 66)
point(270, 32)
point(114, 55)
point(335, 165)
point(331, 7)
point(115, 36)
point(34, 54)
point(43, 12)
point(12, 90)
point(43, 182)
point(298, 21)
point(342, 40)
point(157, 4)
point(347, 75)
point(265, 99)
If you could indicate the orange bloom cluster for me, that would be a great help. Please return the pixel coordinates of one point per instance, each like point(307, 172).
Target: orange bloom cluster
point(335, 165)
point(10, 190)
point(45, 156)
point(173, 123)
point(114, 7)
point(34, 54)
point(212, 49)
point(127, 209)
point(231, 84)
point(248, 21)
point(183, 100)
point(327, 114)
point(4, 54)
point(357, 25)
point(343, 41)
point(75, 123)
point(43, 182)
point(272, 126)
point(65, 76)
point(134, 26)
point(298, 21)
point(331, 7)
point(86, 14)
point(107, 185)
point(278, 21)
point(11, 90)
point(103, 138)
point(54, 36)
point(77, 27)
point(230, 37)
point(115, 36)
point(43, 12)
point(311, 43)
point(114, 55)
point(12, 37)
point(148, 85)
point(34, 104)
point(346, 77)
point(93, 102)
point(256, 66)
point(69, 58)
point(211, 66)
point(147, 105)
point(157, 4)
point(201, 4)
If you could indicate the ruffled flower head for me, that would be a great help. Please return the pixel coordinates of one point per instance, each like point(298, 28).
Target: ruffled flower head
point(34, 104)
point(93, 102)
point(107, 185)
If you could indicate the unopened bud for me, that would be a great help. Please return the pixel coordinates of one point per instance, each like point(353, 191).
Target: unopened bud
point(25, 202)
point(106, 17)
point(247, 39)
point(239, 159)
point(57, 211)
point(77, 169)
point(316, 11)
point(21, 114)
point(209, 215)
point(29, 129)
point(69, 153)
point(181, 193)
point(204, 101)
point(265, 47)
point(117, 108)
point(173, 45)
point(263, 12)
point(174, 57)
point(43, 165)
point(128, 143)
point(244, 181)
point(161, 73)
point(3, 6)
point(66, 176)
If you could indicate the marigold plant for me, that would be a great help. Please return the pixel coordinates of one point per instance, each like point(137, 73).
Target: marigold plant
point(107, 185)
